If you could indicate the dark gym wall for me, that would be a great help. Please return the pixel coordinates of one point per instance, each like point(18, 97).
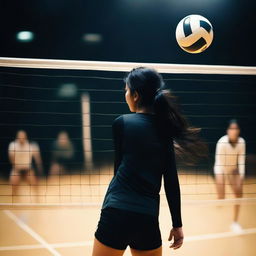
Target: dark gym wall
point(131, 30)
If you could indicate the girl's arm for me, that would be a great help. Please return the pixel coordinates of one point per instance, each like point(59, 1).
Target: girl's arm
point(241, 159)
point(172, 187)
point(117, 133)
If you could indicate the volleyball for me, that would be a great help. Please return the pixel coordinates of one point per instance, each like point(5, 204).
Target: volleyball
point(194, 33)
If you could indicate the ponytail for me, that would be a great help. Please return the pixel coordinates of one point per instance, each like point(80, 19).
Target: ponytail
point(173, 125)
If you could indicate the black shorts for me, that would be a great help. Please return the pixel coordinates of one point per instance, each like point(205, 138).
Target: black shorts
point(118, 228)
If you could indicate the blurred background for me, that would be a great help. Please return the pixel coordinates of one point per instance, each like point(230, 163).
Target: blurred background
point(68, 115)
point(125, 30)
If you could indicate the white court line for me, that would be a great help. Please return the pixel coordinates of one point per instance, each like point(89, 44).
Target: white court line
point(30, 231)
point(90, 243)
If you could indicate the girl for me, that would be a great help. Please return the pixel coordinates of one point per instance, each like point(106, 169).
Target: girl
point(144, 152)
point(21, 153)
point(230, 162)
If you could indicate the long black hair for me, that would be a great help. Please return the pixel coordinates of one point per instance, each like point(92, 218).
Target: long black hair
point(153, 93)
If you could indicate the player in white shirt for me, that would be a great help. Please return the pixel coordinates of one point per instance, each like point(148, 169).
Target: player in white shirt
point(21, 152)
point(230, 163)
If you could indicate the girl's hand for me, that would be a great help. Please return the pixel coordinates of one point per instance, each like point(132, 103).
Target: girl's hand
point(177, 235)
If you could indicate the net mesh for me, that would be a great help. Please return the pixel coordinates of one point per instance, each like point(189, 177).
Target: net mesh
point(67, 108)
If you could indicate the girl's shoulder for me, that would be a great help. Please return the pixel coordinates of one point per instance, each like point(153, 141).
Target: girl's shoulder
point(223, 139)
point(241, 140)
point(125, 117)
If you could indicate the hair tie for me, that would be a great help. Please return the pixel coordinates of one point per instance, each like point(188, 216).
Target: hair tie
point(158, 90)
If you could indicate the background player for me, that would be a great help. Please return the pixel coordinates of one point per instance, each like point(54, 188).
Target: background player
point(21, 154)
point(62, 153)
point(230, 162)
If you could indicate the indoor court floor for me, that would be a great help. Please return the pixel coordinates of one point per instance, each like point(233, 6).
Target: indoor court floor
point(65, 224)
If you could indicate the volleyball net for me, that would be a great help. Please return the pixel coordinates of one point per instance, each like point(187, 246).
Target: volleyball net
point(66, 108)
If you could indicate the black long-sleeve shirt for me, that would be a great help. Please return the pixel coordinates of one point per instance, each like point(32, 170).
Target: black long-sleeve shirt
point(141, 158)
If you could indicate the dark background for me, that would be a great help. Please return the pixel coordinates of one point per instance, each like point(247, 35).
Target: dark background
point(131, 30)
point(29, 100)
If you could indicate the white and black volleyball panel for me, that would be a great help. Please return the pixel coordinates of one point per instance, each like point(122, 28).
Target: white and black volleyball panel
point(194, 33)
